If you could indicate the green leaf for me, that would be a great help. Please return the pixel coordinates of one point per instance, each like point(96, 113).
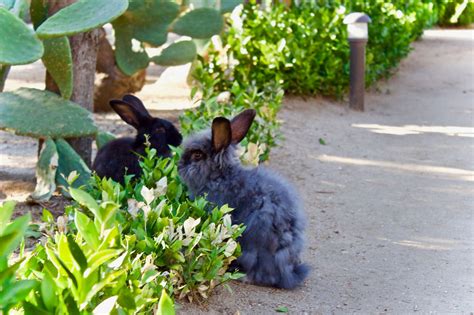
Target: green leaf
point(229, 5)
point(86, 200)
point(148, 20)
point(165, 305)
point(178, 53)
point(9, 272)
point(129, 59)
point(282, 309)
point(57, 59)
point(42, 114)
point(106, 306)
point(6, 210)
point(12, 234)
point(321, 141)
point(103, 137)
point(66, 269)
point(18, 43)
point(38, 12)
point(77, 253)
point(47, 217)
point(70, 161)
point(81, 16)
point(199, 23)
point(31, 309)
point(46, 171)
point(7, 4)
point(48, 292)
point(87, 230)
point(17, 291)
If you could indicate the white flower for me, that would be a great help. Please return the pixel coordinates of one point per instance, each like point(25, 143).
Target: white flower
point(147, 194)
point(230, 248)
point(189, 225)
point(161, 186)
point(223, 97)
point(227, 220)
point(134, 206)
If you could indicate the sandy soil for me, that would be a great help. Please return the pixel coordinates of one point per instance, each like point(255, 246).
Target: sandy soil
point(389, 198)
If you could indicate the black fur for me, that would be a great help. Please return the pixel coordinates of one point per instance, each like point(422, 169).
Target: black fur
point(119, 157)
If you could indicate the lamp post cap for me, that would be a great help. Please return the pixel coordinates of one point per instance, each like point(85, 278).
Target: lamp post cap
point(357, 17)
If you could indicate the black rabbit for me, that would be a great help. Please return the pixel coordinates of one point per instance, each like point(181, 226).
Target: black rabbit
point(119, 157)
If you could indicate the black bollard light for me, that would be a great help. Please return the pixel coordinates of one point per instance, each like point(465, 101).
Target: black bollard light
point(358, 34)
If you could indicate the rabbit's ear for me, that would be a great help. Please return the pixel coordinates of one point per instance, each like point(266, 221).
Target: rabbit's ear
point(129, 113)
point(221, 133)
point(137, 103)
point(241, 124)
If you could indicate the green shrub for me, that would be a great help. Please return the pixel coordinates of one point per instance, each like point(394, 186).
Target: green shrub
point(455, 12)
point(305, 47)
point(224, 96)
point(124, 247)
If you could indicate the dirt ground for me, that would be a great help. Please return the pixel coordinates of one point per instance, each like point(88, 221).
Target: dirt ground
point(389, 198)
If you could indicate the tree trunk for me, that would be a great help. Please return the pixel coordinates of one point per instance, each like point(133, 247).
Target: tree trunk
point(84, 55)
point(115, 84)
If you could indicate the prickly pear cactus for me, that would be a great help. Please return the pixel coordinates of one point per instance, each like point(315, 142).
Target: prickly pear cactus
point(42, 114)
point(81, 16)
point(57, 59)
point(69, 161)
point(18, 43)
point(46, 171)
point(149, 21)
point(200, 23)
point(177, 53)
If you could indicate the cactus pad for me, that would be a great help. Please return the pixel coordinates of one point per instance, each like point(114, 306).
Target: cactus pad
point(229, 5)
point(18, 43)
point(199, 23)
point(178, 53)
point(46, 171)
point(68, 162)
point(148, 21)
point(7, 4)
point(38, 12)
point(81, 16)
point(42, 114)
point(103, 137)
point(57, 59)
point(129, 59)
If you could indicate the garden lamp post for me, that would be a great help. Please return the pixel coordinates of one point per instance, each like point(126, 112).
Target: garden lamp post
point(358, 34)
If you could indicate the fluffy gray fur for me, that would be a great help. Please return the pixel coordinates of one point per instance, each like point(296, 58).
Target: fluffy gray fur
point(263, 201)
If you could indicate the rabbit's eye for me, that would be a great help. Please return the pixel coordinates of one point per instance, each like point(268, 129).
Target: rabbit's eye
point(197, 156)
point(160, 130)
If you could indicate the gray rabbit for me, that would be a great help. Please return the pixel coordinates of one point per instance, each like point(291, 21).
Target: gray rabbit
point(267, 205)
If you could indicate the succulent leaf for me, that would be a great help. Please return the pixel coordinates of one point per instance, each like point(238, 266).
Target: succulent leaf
point(46, 171)
point(178, 53)
point(38, 12)
point(42, 114)
point(57, 59)
point(81, 16)
point(103, 137)
point(68, 162)
point(148, 21)
point(18, 43)
point(229, 5)
point(199, 23)
point(129, 59)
